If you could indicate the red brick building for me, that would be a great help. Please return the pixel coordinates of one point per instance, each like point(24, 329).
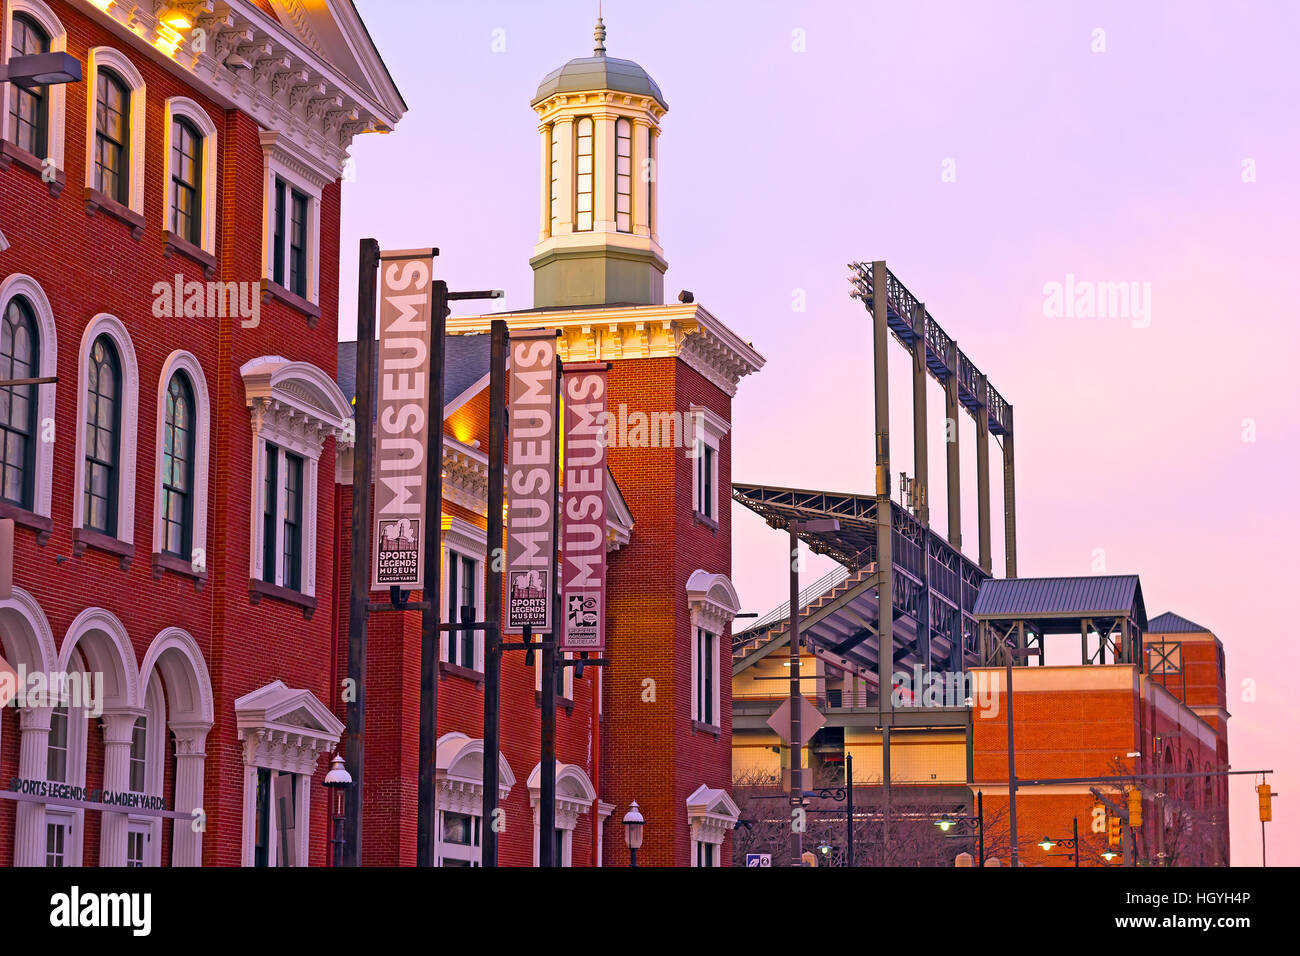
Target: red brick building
point(172, 233)
point(654, 726)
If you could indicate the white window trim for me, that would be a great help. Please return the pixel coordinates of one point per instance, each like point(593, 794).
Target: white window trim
point(78, 725)
point(154, 755)
point(185, 362)
point(708, 428)
point(286, 446)
point(713, 604)
point(713, 849)
point(106, 56)
point(29, 289)
point(178, 107)
point(566, 687)
point(570, 806)
point(695, 676)
point(296, 406)
point(56, 133)
point(460, 784)
point(711, 814)
point(472, 854)
point(282, 165)
point(463, 538)
point(110, 325)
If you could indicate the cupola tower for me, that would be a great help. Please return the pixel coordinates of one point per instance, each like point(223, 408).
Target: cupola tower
point(599, 125)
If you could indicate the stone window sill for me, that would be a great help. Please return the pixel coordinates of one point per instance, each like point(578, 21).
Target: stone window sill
point(272, 290)
point(447, 669)
point(23, 518)
point(702, 728)
point(260, 589)
point(10, 153)
point(84, 538)
point(173, 244)
point(178, 566)
point(706, 521)
point(97, 202)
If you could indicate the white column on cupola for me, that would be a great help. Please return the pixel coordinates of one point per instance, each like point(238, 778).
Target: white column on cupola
point(546, 130)
point(605, 150)
point(640, 184)
point(654, 184)
point(563, 225)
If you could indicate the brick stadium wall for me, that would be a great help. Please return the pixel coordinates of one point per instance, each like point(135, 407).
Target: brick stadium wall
point(88, 265)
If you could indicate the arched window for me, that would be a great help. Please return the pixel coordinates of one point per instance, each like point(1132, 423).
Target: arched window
point(187, 181)
point(29, 109)
point(623, 175)
point(112, 134)
point(178, 467)
point(103, 430)
point(586, 160)
point(19, 359)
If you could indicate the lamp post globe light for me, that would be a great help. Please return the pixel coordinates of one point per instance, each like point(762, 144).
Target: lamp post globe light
point(337, 781)
point(41, 69)
point(634, 830)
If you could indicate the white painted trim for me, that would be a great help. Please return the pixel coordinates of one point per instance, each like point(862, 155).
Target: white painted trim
point(189, 688)
point(27, 287)
point(180, 361)
point(110, 325)
point(574, 797)
point(708, 428)
point(463, 538)
point(178, 107)
point(113, 656)
point(106, 56)
point(280, 164)
point(58, 93)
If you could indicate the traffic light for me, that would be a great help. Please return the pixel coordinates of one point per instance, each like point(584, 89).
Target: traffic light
point(1135, 807)
point(1265, 802)
point(1115, 836)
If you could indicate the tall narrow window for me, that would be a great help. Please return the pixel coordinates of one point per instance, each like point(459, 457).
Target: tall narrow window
point(585, 174)
point(262, 821)
point(704, 481)
point(298, 246)
point(56, 751)
point(462, 581)
point(555, 175)
point(178, 467)
point(292, 574)
point(29, 111)
point(271, 493)
point(650, 173)
point(704, 678)
point(187, 172)
point(112, 133)
point(277, 264)
point(623, 175)
point(19, 359)
point(103, 428)
point(139, 735)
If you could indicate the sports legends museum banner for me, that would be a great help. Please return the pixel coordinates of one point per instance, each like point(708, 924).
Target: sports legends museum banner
point(582, 516)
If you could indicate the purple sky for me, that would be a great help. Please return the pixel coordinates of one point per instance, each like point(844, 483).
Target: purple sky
point(778, 167)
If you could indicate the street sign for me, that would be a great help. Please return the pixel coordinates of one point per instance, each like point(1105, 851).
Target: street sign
point(401, 472)
point(582, 521)
point(758, 859)
point(530, 486)
point(810, 718)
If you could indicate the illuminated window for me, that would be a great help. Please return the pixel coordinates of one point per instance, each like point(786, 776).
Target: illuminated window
point(623, 175)
point(585, 160)
point(187, 182)
point(19, 359)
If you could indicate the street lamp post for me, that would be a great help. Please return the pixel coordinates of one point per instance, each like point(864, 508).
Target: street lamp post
point(634, 830)
point(796, 723)
point(1069, 843)
point(41, 69)
point(337, 781)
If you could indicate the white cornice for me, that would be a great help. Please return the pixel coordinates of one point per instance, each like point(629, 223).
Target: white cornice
point(689, 332)
point(288, 86)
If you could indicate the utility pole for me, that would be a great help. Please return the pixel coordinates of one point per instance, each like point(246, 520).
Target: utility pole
point(492, 592)
point(359, 590)
point(550, 651)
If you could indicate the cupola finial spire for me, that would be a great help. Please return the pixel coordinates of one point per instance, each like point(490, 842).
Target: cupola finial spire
point(600, 32)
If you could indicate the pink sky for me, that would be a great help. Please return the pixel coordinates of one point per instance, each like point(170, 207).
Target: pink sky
point(779, 167)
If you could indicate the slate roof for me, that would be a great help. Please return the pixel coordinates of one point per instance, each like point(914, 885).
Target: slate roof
point(599, 73)
point(1092, 596)
point(468, 359)
point(1171, 623)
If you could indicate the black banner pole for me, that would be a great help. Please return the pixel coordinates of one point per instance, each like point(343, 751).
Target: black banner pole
point(492, 593)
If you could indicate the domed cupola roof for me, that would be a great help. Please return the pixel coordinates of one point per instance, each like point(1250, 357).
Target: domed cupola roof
point(599, 72)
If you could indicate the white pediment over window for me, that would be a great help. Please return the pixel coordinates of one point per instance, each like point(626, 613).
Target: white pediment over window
point(618, 517)
point(711, 813)
point(301, 403)
point(574, 793)
point(285, 729)
point(460, 774)
point(712, 599)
